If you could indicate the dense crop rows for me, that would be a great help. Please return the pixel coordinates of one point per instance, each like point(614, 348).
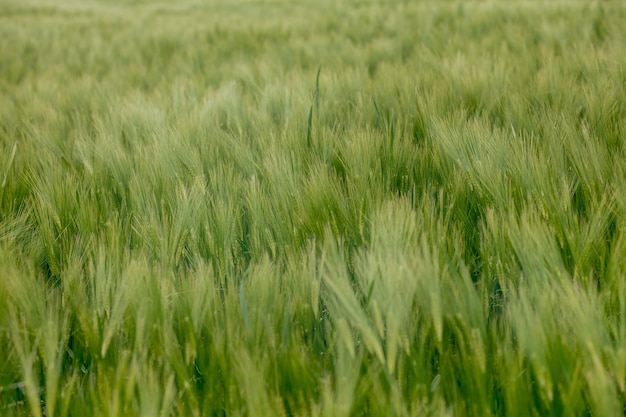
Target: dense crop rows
point(312, 209)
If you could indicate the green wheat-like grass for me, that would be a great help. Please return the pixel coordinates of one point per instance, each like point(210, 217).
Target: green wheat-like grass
point(312, 208)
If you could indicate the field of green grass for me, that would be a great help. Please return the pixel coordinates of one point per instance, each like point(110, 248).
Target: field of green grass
point(312, 208)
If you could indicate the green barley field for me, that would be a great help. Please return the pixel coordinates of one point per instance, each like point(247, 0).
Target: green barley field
point(312, 208)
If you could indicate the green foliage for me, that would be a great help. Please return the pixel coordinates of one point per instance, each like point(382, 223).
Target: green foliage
point(324, 209)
